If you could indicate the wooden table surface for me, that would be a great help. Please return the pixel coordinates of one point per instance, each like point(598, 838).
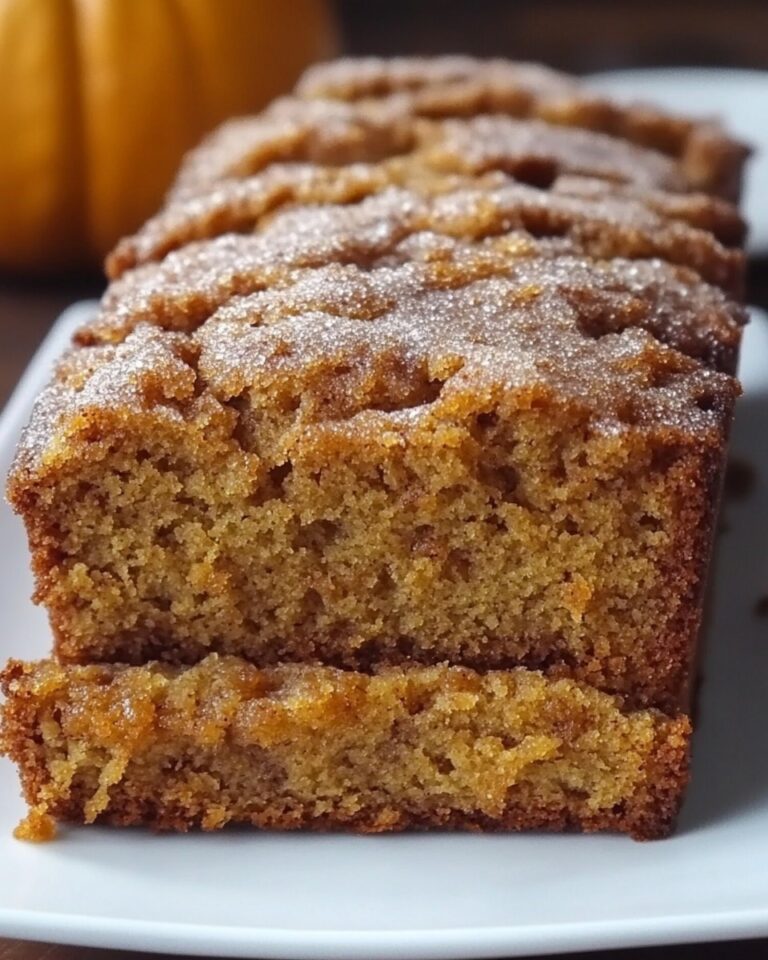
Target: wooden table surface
point(26, 311)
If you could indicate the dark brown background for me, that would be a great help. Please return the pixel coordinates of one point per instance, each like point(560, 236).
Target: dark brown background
point(577, 35)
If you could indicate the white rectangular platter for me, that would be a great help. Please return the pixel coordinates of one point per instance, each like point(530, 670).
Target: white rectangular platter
point(245, 894)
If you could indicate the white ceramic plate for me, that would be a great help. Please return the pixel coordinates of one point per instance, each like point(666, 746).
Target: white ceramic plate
point(244, 894)
point(739, 98)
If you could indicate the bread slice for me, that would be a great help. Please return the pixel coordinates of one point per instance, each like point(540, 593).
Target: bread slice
point(492, 463)
point(293, 747)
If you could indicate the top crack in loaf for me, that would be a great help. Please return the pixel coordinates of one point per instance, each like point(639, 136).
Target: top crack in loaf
point(422, 379)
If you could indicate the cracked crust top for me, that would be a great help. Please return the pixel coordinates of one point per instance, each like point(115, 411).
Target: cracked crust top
point(462, 86)
point(351, 342)
point(372, 222)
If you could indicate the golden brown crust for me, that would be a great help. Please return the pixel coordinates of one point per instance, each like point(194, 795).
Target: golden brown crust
point(244, 205)
point(463, 86)
point(650, 817)
point(341, 140)
point(291, 748)
point(567, 219)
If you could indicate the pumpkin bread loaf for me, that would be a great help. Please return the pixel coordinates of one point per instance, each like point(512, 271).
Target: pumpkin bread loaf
point(381, 490)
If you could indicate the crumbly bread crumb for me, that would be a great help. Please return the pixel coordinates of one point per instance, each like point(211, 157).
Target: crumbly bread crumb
point(36, 827)
point(309, 746)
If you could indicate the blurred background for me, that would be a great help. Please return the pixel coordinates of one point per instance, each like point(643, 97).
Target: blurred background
point(580, 36)
point(102, 97)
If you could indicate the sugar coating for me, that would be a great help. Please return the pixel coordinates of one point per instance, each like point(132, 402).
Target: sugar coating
point(513, 219)
point(596, 333)
point(309, 153)
point(356, 78)
point(463, 86)
point(363, 265)
point(335, 134)
point(431, 362)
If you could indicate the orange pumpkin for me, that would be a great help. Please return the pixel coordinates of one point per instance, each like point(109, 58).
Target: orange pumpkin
point(100, 98)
